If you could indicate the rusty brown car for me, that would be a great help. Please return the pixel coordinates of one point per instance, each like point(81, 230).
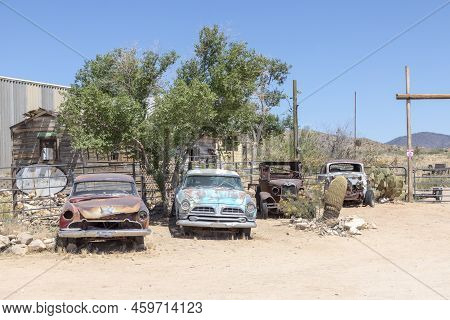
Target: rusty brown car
point(277, 180)
point(103, 207)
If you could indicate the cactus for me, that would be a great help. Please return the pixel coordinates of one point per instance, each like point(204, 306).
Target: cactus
point(386, 184)
point(334, 197)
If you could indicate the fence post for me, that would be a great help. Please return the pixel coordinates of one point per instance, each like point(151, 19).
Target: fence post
point(251, 172)
point(14, 191)
point(143, 189)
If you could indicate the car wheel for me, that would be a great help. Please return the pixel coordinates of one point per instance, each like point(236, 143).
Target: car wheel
point(186, 231)
point(257, 196)
point(369, 199)
point(139, 243)
point(264, 209)
point(71, 246)
point(246, 232)
point(173, 211)
point(60, 244)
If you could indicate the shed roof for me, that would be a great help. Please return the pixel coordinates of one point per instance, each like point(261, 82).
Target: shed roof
point(33, 114)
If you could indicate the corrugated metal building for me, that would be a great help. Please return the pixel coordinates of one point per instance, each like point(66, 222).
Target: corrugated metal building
point(17, 97)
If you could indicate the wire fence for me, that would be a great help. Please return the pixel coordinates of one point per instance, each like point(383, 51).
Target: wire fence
point(39, 191)
point(431, 185)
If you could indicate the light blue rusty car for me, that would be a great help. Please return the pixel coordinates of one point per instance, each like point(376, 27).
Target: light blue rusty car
point(214, 198)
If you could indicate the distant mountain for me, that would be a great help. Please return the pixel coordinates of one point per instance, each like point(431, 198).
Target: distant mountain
point(425, 140)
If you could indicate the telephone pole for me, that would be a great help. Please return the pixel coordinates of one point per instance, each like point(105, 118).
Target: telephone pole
point(410, 152)
point(409, 139)
point(295, 116)
point(354, 128)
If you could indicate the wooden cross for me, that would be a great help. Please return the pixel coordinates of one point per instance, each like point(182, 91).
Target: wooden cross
point(408, 97)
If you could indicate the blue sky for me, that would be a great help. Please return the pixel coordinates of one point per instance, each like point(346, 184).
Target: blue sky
point(318, 38)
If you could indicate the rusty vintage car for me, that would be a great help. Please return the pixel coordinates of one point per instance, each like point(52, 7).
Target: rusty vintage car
point(277, 180)
point(214, 199)
point(358, 185)
point(103, 207)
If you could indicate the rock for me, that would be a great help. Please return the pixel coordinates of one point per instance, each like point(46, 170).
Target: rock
point(18, 249)
point(11, 236)
point(354, 223)
point(36, 246)
point(4, 242)
point(14, 241)
point(332, 222)
point(49, 241)
point(25, 238)
point(301, 225)
point(354, 231)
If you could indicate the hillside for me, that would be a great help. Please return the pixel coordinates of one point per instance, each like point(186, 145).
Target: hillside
point(425, 140)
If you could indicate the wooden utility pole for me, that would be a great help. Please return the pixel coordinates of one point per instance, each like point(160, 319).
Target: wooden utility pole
point(295, 116)
point(409, 139)
point(410, 152)
point(354, 128)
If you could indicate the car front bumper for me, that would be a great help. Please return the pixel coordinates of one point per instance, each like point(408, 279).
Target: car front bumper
point(221, 225)
point(102, 233)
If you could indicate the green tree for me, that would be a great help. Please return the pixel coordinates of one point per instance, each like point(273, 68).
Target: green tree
point(245, 83)
point(177, 121)
point(109, 98)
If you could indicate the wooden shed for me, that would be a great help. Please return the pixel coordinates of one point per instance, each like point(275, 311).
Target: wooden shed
point(37, 140)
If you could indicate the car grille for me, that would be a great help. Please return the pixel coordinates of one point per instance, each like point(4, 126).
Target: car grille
point(105, 224)
point(232, 211)
point(288, 190)
point(215, 218)
point(203, 210)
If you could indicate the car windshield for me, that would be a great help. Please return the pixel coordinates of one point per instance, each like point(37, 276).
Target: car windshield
point(345, 167)
point(103, 188)
point(213, 182)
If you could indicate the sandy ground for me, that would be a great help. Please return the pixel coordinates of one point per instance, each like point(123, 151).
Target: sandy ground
point(278, 263)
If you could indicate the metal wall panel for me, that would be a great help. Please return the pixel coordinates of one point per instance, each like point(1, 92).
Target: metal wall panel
point(17, 97)
point(34, 97)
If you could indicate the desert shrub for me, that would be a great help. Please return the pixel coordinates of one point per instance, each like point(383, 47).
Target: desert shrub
point(305, 205)
point(386, 184)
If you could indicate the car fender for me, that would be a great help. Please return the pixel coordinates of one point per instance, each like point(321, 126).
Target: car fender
point(265, 196)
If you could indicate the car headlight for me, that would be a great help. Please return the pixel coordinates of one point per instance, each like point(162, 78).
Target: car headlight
point(275, 190)
point(250, 208)
point(185, 205)
point(143, 215)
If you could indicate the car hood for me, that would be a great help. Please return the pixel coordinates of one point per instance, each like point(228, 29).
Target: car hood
point(286, 182)
point(214, 196)
point(103, 207)
point(353, 177)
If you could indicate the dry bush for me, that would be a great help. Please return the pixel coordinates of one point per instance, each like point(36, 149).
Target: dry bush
point(305, 205)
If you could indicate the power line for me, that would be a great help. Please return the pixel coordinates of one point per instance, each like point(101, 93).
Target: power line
point(401, 269)
point(373, 52)
point(43, 30)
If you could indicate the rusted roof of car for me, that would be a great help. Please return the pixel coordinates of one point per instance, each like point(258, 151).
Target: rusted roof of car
point(104, 177)
point(212, 172)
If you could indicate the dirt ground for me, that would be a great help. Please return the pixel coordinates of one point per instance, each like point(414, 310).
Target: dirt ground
point(406, 257)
